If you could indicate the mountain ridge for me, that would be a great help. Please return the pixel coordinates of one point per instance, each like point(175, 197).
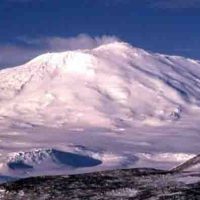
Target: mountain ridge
point(113, 78)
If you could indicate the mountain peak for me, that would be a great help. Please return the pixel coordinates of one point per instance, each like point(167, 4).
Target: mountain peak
point(114, 84)
point(117, 46)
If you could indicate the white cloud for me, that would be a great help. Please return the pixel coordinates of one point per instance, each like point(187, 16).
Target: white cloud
point(82, 41)
point(12, 55)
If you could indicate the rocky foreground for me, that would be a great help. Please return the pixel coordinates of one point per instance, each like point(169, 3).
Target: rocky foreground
point(138, 184)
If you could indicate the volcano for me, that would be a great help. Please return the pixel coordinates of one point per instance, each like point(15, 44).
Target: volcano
point(115, 106)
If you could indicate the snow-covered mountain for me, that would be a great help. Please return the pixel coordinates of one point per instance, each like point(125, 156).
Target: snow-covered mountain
point(112, 85)
point(109, 107)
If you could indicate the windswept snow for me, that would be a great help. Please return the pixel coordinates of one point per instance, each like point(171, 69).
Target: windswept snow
point(73, 87)
point(130, 106)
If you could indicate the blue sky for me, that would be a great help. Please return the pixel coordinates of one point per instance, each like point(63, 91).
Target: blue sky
point(31, 27)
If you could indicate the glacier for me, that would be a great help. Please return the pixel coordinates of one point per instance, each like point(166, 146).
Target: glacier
point(116, 105)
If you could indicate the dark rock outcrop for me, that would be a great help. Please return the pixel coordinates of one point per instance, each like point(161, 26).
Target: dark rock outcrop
point(186, 166)
point(138, 184)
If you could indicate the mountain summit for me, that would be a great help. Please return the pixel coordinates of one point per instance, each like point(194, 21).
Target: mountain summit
point(112, 85)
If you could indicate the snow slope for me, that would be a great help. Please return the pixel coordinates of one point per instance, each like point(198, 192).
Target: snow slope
point(192, 164)
point(114, 88)
point(114, 82)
